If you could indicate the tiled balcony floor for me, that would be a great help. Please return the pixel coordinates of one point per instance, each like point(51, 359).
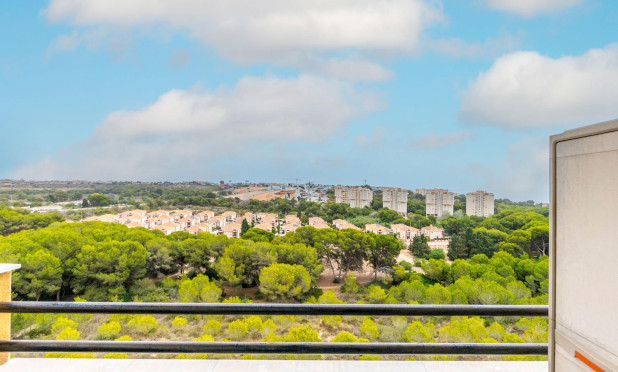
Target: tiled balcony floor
point(180, 365)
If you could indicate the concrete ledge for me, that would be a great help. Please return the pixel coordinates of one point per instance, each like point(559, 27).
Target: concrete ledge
point(223, 365)
point(5, 268)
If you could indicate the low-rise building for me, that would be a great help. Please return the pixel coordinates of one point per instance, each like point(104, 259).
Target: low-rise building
point(318, 223)
point(432, 232)
point(343, 224)
point(404, 233)
point(231, 230)
point(377, 229)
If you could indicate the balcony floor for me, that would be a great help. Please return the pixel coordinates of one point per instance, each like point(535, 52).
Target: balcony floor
point(222, 365)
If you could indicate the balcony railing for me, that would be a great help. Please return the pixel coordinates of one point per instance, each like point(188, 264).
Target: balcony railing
point(273, 347)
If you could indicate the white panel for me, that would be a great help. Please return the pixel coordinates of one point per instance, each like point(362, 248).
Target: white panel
point(586, 260)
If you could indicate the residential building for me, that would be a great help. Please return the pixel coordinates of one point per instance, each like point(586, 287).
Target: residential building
point(404, 233)
point(480, 203)
point(231, 230)
point(230, 216)
point(432, 232)
point(439, 202)
point(396, 199)
point(343, 224)
point(376, 229)
point(318, 223)
point(206, 215)
point(355, 197)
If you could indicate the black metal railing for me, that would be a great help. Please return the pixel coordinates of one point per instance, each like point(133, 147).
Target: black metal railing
point(273, 347)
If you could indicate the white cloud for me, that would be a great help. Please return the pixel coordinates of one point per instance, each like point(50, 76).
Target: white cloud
point(527, 90)
point(529, 8)
point(438, 141)
point(524, 172)
point(489, 48)
point(193, 134)
point(285, 32)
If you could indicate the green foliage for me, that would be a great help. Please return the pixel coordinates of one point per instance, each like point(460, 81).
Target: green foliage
point(258, 235)
point(143, 324)
point(383, 251)
point(105, 269)
point(419, 246)
point(350, 285)
point(179, 322)
point(419, 332)
point(345, 336)
point(99, 200)
point(109, 330)
point(62, 323)
point(437, 270)
point(464, 329)
point(212, 327)
point(244, 227)
point(68, 333)
point(437, 254)
point(12, 221)
point(369, 329)
point(301, 334)
point(237, 330)
point(376, 294)
point(199, 289)
point(284, 281)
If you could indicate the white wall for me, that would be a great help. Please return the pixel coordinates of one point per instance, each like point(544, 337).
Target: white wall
point(584, 272)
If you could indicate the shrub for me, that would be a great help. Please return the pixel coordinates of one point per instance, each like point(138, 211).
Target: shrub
point(237, 330)
point(437, 254)
point(143, 324)
point(212, 327)
point(109, 330)
point(369, 329)
point(179, 322)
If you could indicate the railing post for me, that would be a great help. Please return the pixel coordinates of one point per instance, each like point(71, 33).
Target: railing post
point(5, 295)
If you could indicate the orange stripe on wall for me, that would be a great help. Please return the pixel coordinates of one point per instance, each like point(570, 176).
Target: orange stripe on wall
point(587, 362)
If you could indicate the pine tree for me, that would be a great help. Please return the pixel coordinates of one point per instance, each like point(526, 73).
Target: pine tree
point(244, 227)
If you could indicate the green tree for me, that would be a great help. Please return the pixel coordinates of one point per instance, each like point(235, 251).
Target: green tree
point(99, 200)
point(437, 270)
point(383, 252)
point(106, 269)
point(199, 289)
point(283, 280)
point(41, 273)
point(244, 227)
point(419, 246)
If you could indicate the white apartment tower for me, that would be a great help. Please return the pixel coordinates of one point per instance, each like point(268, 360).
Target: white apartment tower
point(480, 203)
point(355, 197)
point(439, 202)
point(396, 199)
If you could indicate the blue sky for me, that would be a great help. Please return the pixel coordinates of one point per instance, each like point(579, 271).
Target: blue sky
point(408, 93)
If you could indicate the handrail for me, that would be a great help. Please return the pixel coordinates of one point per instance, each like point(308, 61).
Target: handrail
point(271, 309)
point(270, 347)
point(273, 347)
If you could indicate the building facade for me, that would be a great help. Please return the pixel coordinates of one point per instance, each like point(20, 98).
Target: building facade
point(396, 199)
point(355, 197)
point(480, 203)
point(439, 202)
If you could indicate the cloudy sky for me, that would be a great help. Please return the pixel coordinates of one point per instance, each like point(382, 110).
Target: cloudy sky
point(459, 94)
